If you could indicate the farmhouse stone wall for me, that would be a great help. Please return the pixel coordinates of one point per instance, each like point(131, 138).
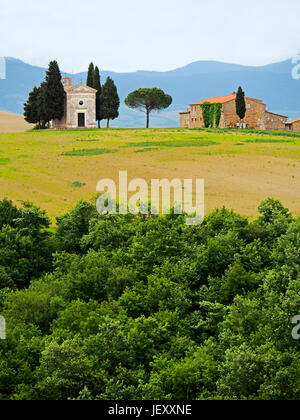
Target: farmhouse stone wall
point(296, 126)
point(256, 115)
point(293, 126)
point(185, 119)
point(274, 121)
point(196, 118)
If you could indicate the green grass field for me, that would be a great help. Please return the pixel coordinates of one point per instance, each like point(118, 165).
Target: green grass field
point(55, 169)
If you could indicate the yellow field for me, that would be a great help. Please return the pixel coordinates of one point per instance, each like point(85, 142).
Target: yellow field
point(12, 123)
point(240, 169)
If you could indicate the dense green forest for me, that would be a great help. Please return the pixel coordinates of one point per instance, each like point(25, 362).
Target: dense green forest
point(137, 307)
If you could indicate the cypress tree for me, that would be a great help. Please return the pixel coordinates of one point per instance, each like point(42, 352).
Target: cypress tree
point(240, 104)
point(90, 76)
point(31, 107)
point(43, 116)
point(35, 108)
point(97, 86)
point(110, 101)
point(54, 93)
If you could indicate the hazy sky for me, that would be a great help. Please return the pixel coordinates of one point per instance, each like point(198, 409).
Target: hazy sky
point(129, 35)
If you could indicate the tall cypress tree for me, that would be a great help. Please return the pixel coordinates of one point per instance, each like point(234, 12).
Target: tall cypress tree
point(110, 101)
point(90, 76)
point(240, 104)
point(54, 93)
point(97, 86)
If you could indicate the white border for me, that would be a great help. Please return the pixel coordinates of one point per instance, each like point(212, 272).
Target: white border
point(2, 68)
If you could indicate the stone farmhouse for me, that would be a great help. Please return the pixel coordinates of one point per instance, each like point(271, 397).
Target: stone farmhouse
point(257, 116)
point(80, 106)
point(293, 125)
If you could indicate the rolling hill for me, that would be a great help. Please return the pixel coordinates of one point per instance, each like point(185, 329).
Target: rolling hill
point(10, 123)
point(273, 83)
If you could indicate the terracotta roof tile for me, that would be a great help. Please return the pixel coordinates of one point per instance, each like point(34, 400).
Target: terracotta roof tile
point(216, 99)
point(224, 99)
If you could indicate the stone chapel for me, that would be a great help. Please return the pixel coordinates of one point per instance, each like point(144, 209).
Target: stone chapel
point(80, 106)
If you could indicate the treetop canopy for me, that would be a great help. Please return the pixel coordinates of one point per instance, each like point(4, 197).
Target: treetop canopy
point(148, 99)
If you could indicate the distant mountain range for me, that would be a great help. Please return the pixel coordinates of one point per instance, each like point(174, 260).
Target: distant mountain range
point(203, 79)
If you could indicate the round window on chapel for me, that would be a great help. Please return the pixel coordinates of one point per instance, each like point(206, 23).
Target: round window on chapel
point(81, 103)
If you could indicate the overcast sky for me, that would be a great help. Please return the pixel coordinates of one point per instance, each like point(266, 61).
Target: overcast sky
point(129, 35)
